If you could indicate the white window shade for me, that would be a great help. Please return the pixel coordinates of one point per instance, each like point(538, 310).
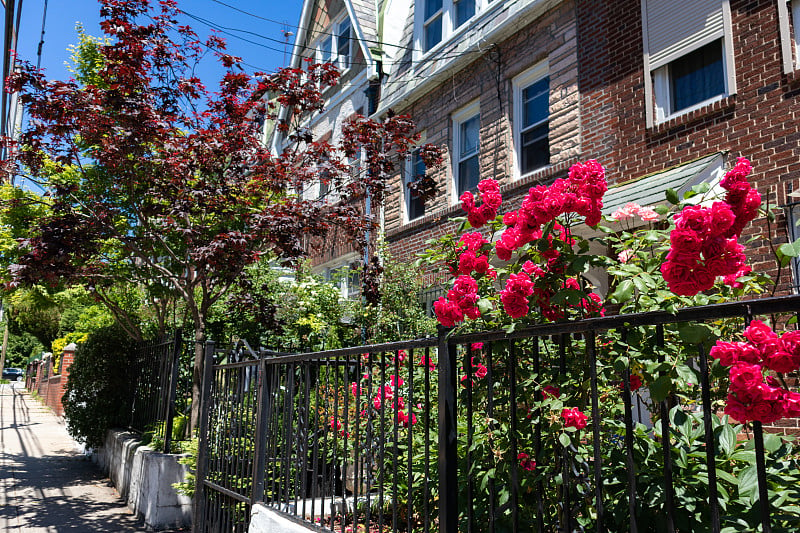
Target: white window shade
point(676, 27)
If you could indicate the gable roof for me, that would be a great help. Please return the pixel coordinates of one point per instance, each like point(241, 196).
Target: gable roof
point(363, 17)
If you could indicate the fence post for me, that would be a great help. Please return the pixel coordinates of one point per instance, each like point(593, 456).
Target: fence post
point(448, 436)
point(173, 385)
point(198, 523)
point(259, 449)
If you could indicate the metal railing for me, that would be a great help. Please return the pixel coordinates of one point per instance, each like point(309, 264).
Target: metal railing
point(155, 368)
point(442, 434)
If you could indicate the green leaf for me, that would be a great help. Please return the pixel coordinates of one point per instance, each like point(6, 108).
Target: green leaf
point(661, 209)
point(727, 440)
point(624, 292)
point(693, 333)
point(564, 439)
point(660, 388)
point(748, 483)
point(790, 249)
point(484, 305)
point(672, 196)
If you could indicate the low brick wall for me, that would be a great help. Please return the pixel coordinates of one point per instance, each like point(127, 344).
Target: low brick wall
point(50, 382)
point(144, 478)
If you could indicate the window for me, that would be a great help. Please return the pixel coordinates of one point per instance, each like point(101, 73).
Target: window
point(789, 26)
point(335, 46)
point(531, 119)
point(688, 53)
point(793, 220)
point(346, 277)
point(438, 19)
point(415, 169)
point(466, 143)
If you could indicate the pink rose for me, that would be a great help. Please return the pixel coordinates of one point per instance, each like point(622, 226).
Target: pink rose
point(781, 361)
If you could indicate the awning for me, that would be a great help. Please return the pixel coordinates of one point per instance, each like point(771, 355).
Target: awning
point(649, 190)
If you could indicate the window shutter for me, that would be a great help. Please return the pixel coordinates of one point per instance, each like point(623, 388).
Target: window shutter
point(676, 27)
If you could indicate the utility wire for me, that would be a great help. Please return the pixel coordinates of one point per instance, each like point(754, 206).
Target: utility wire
point(380, 43)
point(228, 31)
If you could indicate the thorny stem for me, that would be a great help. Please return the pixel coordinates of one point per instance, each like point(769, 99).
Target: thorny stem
point(777, 279)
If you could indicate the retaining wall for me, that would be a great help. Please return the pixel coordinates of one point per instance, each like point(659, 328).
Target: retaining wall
point(144, 478)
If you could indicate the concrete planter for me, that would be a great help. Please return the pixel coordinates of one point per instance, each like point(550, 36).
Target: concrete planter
point(144, 478)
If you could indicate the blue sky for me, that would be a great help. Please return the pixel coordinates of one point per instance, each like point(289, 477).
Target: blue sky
point(265, 51)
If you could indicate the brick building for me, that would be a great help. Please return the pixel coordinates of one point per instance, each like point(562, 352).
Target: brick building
point(664, 93)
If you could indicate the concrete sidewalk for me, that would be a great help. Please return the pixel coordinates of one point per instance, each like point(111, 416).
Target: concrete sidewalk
point(46, 484)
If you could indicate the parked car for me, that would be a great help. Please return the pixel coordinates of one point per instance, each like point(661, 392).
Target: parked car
point(13, 374)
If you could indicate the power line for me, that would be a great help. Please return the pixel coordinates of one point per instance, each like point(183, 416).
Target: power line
point(298, 27)
point(228, 31)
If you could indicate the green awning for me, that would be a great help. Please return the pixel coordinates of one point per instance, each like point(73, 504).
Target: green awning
point(649, 190)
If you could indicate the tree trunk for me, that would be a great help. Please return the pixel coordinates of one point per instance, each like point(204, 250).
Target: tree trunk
point(197, 371)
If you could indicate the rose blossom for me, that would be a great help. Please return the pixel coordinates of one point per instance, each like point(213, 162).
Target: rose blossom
point(525, 461)
point(550, 391)
point(574, 418)
point(448, 313)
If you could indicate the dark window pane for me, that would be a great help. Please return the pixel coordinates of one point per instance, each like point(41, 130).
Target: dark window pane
point(343, 44)
point(431, 7)
point(326, 50)
point(470, 130)
point(697, 76)
point(536, 102)
point(464, 11)
point(468, 174)
point(416, 206)
point(433, 33)
point(535, 152)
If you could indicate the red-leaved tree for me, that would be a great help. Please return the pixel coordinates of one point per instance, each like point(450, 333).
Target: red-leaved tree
point(154, 179)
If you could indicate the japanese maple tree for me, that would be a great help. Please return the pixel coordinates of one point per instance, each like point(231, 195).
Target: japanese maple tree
point(155, 179)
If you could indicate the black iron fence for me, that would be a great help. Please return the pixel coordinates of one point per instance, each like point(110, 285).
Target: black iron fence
point(156, 372)
point(456, 433)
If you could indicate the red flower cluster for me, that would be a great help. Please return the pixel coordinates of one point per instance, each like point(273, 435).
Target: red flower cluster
point(515, 295)
point(461, 301)
point(582, 193)
point(471, 259)
point(703, 244)
point(490, 196)
point(636, 383)
point(751, 396)
point(478, 370)
point(526, 462)
point(574, 418)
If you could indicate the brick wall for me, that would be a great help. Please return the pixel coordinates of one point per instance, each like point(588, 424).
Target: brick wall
point(760, 121)
point(50, 387)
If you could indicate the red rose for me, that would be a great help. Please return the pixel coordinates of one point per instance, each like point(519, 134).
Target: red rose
point(790, 342)
point(514, 304)
point(686, 240)
point(549, 391)
point(574, 418)
point(736, 409)
point(758, 333)
point(525, 461)
point(781, 361)
point(448, 313)
point(720, 218)
point(466, 263)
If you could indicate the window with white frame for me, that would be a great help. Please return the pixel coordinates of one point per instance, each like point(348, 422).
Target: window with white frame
point(437, 20)
point(789, 27)
point(688, 53)
point(346, 277)
point(335, 46)
point(532, 118)
point(415, 170)
point(466, 147)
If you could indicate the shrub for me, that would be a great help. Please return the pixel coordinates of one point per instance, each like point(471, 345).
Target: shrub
point(99, 386)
